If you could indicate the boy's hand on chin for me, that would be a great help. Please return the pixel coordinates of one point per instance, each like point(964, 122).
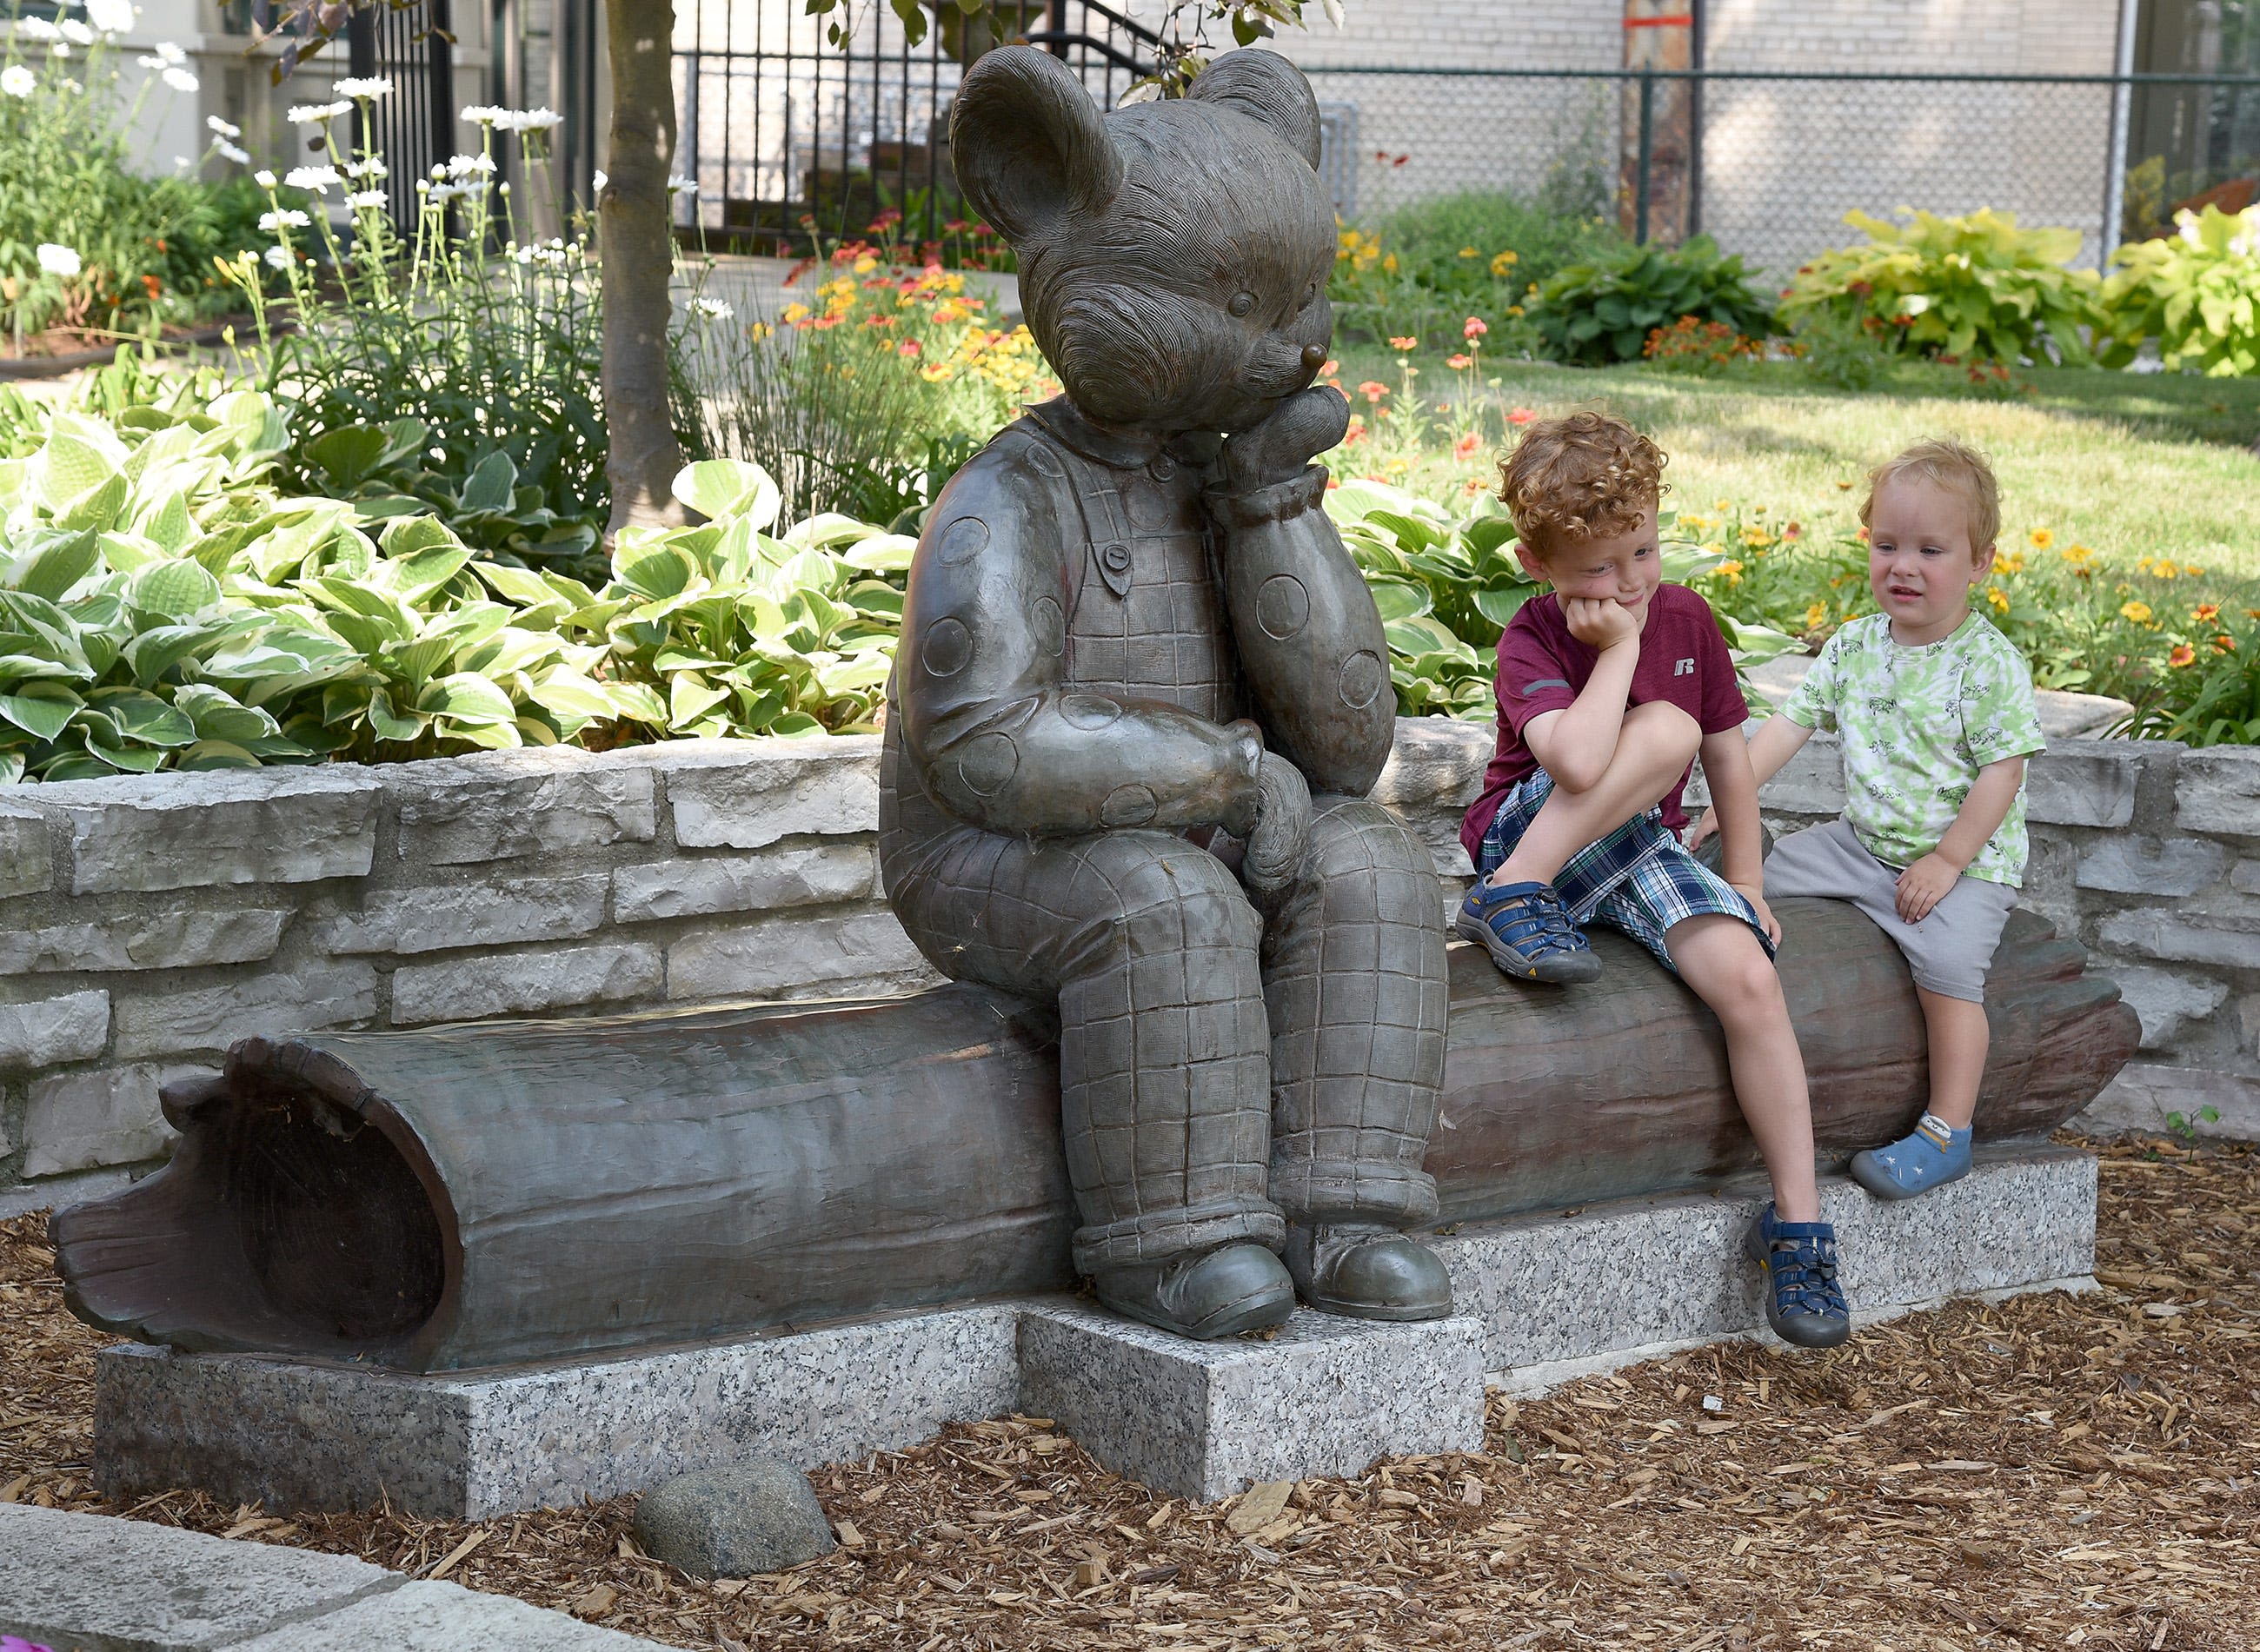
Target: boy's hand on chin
point(1600, 623)
point(1923, 885)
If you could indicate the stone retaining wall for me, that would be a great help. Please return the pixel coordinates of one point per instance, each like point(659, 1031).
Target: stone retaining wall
point(149, 922)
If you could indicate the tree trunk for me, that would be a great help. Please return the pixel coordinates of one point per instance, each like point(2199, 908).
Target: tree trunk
point(489, 1193)
point(636, 244)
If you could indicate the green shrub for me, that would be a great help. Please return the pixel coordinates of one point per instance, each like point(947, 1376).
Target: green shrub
point(488, 349)
point(1976, 288)
point(2209, 693)
point(142, 245)
point(1600, 313)
point(2197, 292)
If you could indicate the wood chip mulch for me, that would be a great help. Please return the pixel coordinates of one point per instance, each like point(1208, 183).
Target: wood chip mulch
point(2054, 1470)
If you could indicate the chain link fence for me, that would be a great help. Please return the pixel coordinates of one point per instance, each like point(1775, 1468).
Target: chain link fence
point(1768, 163)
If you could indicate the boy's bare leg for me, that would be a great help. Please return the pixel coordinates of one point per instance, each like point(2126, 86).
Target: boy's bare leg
point(1959, 1038)
point(1657, 743)
point(1722, 961)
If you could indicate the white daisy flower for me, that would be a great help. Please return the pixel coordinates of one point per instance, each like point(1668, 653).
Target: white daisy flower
point(151, 61)
point(36, 29)
point(599, 179)
point(76, 33)
point(713, 307)
point(318, 179)
point(315, 114)
point(469, 166)
point(58, 259)
point(181, 81)
point(18, 81)
point(170, 51)
point(371, 86)
point(683, 186)
point(60, 52)
point(278, 258)
point(242, 157)
point(265, 179)
point(362, 199)
point(224, 128)
point(484, 114)
point(288, 218)
point(111, 17)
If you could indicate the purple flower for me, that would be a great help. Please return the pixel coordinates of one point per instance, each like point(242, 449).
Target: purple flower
point(17, 1643)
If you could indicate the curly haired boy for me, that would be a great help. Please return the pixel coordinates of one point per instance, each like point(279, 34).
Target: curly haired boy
point(1609, 687)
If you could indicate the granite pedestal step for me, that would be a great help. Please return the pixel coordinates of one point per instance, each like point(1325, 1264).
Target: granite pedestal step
point(1326, 1396)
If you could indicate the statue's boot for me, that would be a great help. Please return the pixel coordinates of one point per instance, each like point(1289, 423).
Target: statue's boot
point(1367, 1273)
point(1237, 1288)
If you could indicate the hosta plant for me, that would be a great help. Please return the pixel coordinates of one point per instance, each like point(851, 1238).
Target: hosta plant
point(1975, 288)
point(1603, 311)
point(2196, 292)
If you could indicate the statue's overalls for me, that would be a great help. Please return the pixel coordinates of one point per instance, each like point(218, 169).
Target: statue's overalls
point(1071, 682)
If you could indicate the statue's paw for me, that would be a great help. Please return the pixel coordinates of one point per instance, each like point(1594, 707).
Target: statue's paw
point(1367, 1273)
point(1238, 1288)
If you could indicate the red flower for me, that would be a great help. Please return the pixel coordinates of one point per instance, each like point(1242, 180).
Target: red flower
point(1459, 364)
point(907, 348)
point(2182, 655)
point(1372, 391)
point(1467, 446)
point(1475, 328)
point(1520, 416)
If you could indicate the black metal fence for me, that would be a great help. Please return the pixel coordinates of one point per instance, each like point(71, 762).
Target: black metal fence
point(415, 126)
point(787, 135)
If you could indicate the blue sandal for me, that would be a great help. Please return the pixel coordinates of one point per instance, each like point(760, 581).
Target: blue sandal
point(1804, 1303)
point(1528, 932)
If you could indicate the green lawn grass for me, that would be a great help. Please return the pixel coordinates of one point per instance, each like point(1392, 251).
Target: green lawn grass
point(2132, 465)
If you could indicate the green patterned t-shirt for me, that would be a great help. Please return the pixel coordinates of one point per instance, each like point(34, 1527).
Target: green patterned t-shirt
point(1917, 725)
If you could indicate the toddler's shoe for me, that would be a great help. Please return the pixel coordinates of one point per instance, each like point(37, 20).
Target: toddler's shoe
point(1528, 932)
point(1935, 1153)
point(1804, 1303)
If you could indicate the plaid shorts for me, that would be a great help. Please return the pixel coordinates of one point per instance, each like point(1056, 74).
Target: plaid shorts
point(1637, 879)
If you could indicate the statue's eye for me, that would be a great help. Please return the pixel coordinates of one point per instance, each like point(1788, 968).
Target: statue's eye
point(1242, 304)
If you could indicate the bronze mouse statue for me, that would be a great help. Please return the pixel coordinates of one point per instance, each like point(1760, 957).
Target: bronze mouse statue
point(1142, 694)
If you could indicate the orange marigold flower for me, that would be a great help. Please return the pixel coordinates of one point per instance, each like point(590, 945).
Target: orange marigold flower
point(1373, 390)
point(2182, 655)
point(1476, 328)
point(1402, 343)
point(1459, 364)
point(2204, 612)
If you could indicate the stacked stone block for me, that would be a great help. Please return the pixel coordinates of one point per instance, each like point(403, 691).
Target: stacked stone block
point(147, 923)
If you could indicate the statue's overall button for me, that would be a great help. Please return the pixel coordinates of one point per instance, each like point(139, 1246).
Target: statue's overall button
point(1116, 557)
point(1162, 469)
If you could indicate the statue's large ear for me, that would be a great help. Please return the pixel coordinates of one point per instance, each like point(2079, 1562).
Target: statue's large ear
point(1267, 85)
point(1029, 146)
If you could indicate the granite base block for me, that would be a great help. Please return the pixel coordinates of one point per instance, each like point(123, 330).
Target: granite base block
point(1326, 1396)
point(1635, 1273)
point(470, 1445)
point(1204, 1420)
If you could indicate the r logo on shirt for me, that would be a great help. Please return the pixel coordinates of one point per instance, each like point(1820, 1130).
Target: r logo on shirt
point(1683, 667)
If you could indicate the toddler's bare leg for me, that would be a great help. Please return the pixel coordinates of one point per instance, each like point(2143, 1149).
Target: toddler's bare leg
point(1657, 743)
point(1721, 959)
point(1959, 1038)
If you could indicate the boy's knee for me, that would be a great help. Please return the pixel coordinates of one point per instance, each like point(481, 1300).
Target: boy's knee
point(1663, 727)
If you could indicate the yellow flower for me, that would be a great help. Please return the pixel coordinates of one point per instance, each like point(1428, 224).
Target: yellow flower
point(1515, 310)
point(866, 264)
point(2010, 563)
point(1390, 263)
point(1815, 615)
point(1732, 570)
point(759, 330)
point(1469, 252)
point(1756, 536)
point(796, 313)
point(1994, 596)
point(1501, 262)
point(2139, 612)
point(2042, 539)
point(2193, 570)
point(1725, 505)
point(2162, 570)
point(2078, 553)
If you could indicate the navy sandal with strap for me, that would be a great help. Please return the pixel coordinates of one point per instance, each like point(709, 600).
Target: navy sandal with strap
point(1804, 1303)
point(1528, 932)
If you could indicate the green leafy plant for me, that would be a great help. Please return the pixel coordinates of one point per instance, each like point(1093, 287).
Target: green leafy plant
point(485, 350)
point(1602, 311)
point(2196, 292)
point(1976, 288)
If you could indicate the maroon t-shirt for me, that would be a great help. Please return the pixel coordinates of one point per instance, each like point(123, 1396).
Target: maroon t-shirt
point(1542, 667)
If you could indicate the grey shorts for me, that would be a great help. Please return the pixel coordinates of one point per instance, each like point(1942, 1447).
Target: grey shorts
point(1947, 952)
